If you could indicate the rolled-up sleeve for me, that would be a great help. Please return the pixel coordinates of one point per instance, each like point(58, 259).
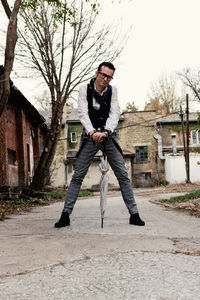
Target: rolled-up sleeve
point(83, 109)
point(114, 114)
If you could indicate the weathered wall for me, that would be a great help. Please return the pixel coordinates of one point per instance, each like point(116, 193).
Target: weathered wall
point(92, 178)
point(18, 148)
point(57, 172)
point(11, 137)
point(139, 130)
point(166, 130)
point(3, 150)
point(136, 129)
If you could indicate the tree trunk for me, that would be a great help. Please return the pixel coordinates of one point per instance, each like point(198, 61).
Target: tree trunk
point(41, 175)
point(9, 53)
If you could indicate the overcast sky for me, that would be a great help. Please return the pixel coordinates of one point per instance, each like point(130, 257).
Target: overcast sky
point(164, 39)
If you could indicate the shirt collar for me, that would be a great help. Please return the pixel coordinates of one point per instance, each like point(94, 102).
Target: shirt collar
point(102, 91)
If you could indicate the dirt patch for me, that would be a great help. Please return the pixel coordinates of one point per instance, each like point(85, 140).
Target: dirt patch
point(172, 188)
point(7, 207)
point(192, 252)
point(193, 207)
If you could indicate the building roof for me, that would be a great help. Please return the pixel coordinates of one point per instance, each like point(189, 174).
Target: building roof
point(72, 116)
point(138, 111)
point(175, 118)
point(18, 100)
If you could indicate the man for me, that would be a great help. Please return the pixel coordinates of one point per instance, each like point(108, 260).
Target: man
point(99, 114)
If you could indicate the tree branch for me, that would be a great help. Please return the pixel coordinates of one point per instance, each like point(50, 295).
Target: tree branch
point(6, 8)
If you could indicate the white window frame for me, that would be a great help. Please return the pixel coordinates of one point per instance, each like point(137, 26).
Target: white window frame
point(196, 140)
point(73, 137)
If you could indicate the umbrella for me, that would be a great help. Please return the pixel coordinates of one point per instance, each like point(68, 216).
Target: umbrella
point(103, 167)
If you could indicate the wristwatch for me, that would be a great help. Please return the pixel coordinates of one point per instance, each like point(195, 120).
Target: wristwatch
point(107, 132)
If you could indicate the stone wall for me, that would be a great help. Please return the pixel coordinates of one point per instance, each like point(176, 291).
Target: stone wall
point(138, 129)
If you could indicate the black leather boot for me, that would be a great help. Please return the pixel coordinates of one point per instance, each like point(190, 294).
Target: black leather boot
point(135, 220)
point(64, 220)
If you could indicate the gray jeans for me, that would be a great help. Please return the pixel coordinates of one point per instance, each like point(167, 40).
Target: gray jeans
point(116, 162)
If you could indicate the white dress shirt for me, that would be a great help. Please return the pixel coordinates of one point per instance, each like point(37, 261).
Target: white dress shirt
point(114, 113)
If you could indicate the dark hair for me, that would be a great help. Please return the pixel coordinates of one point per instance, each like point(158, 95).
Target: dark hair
point(106, 64)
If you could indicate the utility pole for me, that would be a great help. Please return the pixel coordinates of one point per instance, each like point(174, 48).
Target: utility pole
point(186, 144)
point(187, 141)
point(182, 124)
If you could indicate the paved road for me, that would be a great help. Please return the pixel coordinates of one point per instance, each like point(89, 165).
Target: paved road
point(84, 261)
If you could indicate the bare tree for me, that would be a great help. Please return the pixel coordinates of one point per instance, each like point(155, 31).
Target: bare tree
point(64, 52)
point(12, 36)
point(130, 106)
point(191, 79)
point(11, 40)
point(43, 101)
point(155, 104)
point(164, 94)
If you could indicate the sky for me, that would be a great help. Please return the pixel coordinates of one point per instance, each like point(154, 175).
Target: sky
point(164, 39)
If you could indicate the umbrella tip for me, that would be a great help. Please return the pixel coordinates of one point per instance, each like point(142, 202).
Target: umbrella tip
point(101, 222)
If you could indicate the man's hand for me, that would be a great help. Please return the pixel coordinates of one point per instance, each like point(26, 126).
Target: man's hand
point(97, 136)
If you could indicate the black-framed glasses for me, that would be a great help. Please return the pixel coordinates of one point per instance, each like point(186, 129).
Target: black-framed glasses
point(103, 75)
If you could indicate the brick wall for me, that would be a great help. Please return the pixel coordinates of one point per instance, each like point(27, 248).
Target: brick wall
point(138, 129)
point(12, 151)
point(3, 150)
point(18, 141)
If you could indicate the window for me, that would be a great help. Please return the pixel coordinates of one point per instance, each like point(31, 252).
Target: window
point(73, 137)
point(12, 157)
point(195, 137)
point(32, 134)
point(141, 153)
point(147, 175)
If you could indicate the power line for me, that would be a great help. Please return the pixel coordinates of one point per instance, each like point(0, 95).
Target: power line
point(147, 121)
point(138, 124)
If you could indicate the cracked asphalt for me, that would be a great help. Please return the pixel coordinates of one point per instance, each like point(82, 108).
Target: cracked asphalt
point(84, 261)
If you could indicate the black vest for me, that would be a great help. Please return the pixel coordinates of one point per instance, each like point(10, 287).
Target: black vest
point(98, 117)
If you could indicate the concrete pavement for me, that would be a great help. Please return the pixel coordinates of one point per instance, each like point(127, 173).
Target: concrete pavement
point(84, 261)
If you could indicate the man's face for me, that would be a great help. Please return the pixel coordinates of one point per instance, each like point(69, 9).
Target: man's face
point(104, 77)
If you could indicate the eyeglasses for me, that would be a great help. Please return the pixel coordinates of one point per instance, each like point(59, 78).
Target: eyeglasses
point(103, 75)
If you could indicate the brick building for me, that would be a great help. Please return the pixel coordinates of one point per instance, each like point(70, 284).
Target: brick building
point(170, 129)
point(145, 138)
point(92, 179)
point(22, 132)
point(65, 159)
point(137, 133)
